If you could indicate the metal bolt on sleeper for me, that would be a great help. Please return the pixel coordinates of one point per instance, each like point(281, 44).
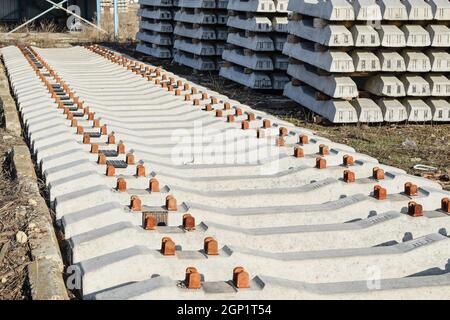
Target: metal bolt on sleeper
point(150, 222)
point(378, 173)
point(349, 176)
point(120, 148)
point(445, 205)
point(379, 192)
point(171, 203)
point(121, 185)
point(410, 189)
point(188, 222)
point(321, 163)
point(110, 170)
point(154, 185)
point(298, 152)
point(303, 139)
point(323, 150)
point(415, 209)
point(347, 160)
point(129, 159)
point(140, 170)
point(211, 246)
point(135, 203)
point(192, 278)
point(167, 246)
point(241, 278)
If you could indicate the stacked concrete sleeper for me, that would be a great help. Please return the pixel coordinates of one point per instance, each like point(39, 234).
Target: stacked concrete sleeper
point(155, 28)
point(312, 219)
point(257, 33)
point(200, 33)
point(370, 60)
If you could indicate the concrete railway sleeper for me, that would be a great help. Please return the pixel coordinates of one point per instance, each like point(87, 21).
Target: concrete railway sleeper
point(165, 189)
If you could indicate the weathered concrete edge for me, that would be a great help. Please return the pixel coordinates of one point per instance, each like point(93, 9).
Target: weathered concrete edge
point(45, 273)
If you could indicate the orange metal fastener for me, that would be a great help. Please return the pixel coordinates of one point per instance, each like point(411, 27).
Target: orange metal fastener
point(347, 160)
point(167, 246)
point(121, 185)
point(211, 246)
point(410, 189)
point(171, 203)
point(445, 205)
point(192, 278)
point(298, 152)
point(378, 173)
point(379, 192)
point(349, 176)
point(415, 209)
point(241, 278)
point(140, 170)
point(321, 163)
point(188, 222)
point(135, 203)
point(110, 170)
point(154, 185)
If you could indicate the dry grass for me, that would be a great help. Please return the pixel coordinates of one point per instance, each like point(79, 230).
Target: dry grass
point(47, 33)
point(128, 27)
point(14, 209)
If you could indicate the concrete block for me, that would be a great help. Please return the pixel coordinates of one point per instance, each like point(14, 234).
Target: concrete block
point(252, 5)
point(329, 35)
point(201, 33)
point(155, 13)
point(198, 17)
point(332, 85)
point(254, 80)
point(415, 86)
point(335, 10)
point(368, 111)
point(257, 61)
point(418, 10)
point(200, 48)
point(440, 109)
point(330, 60)
point(393, 10)
point(366, 61)
point(391, 36)
point(388, 86)
point(158, 52)
point(416, 36)
point(391, 61)
point(393, 110)
point(156, 3)
point(440, 9)
point(367, 10)
point(280, 24)
point(157, 26)
point(336, 111)
point(206, 4)
point(439, 34)
point(155, 38)
point(255, 24)
point(440, 60)
point(365, 36)
point(417, 110)
point(416, 61)
point(198, 63)
point(256, 43)
point(439, 85)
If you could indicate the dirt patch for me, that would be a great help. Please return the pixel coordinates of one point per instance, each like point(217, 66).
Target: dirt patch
point(14, 213)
